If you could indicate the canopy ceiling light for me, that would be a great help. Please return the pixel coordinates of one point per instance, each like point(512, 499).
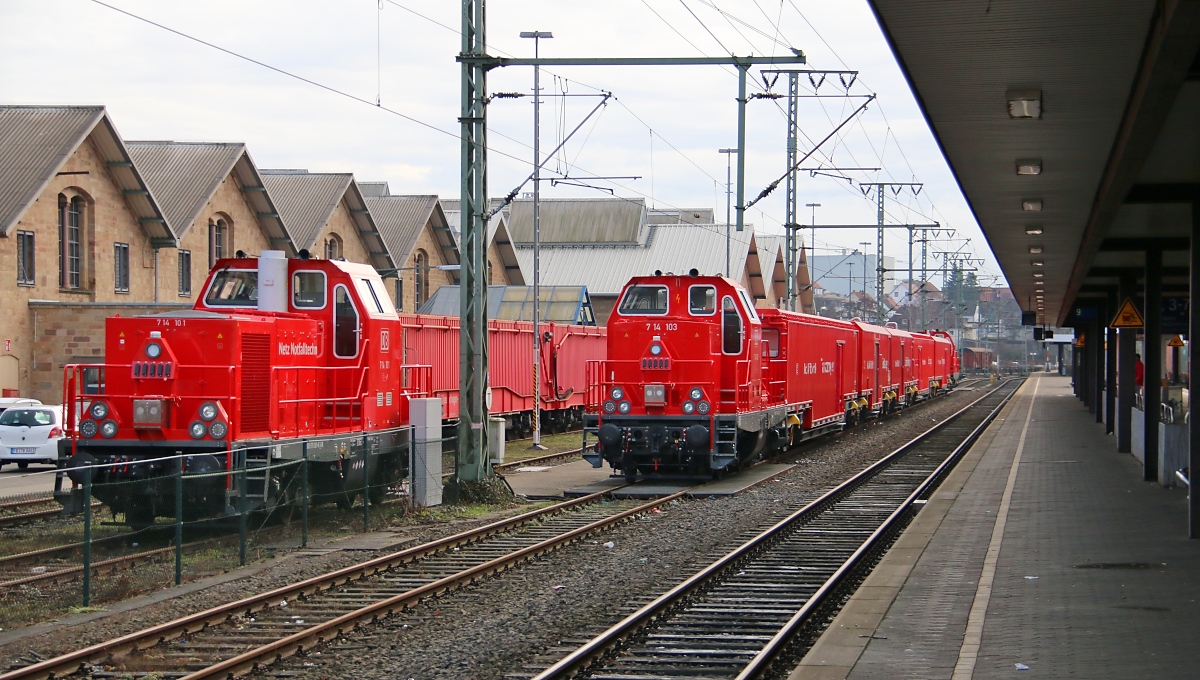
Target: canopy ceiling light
point(1038, 275)
point(1033, 231)
point(1037, 263)
point(1025, 103)
point(1029, 166)
point(1031, 205)
point(1035, 250)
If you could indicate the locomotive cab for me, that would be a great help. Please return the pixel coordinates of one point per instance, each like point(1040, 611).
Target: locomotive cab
point(279, 359)
point(682, 392)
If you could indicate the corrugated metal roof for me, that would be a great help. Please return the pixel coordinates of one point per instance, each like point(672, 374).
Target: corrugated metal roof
point(680, 216)
point(184, 175)
point(400, 220)
point(605, 268)
point(374, 189)
point(34, 143)
point(305, 200)
point(580, 220)
point(562, 304)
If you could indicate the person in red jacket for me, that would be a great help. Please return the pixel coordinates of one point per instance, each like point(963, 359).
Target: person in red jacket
point(1139, 371)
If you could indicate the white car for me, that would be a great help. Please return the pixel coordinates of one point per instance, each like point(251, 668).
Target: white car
point(30, 434)
point(13, 402)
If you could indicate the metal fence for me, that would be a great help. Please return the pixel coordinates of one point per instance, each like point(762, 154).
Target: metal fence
point(131, 526)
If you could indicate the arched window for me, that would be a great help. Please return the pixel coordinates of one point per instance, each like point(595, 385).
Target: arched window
point(333, 247)
point(70, 252)
point(218, 240)
point(420, 278)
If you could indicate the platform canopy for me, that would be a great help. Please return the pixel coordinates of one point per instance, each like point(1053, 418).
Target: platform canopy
point(1071, 127)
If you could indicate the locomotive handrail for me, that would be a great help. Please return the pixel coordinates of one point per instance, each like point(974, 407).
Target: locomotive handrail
point(276, 427)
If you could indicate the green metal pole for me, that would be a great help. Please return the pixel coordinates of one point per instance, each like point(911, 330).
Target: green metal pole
point(241, 513)
point(741, 179)
point(179, 523)
point(304, 505)
point(87, 535)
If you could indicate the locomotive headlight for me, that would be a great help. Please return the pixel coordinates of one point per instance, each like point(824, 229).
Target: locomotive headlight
point(88, 428)
point(617, 393)
point(154, 350)
point(99, 410)
point(689, 407)
point(656, 349)
point(108, 429)
point(624, 407)
point(696, 393)
point(197, 429)
point(610, 407)
point(218, 430)
point(208, 410)
point(703, 408)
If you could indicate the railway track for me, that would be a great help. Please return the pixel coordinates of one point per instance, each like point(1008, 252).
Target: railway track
point(237, 637)
point(737, 616)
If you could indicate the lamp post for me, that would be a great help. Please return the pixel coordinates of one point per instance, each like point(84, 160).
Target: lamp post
point(537, 199)
point(728, 193)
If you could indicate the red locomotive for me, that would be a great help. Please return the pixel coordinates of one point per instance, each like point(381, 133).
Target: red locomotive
point(283, 359)
point(697, 381)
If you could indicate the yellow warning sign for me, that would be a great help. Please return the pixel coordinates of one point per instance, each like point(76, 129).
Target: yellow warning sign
point(121, 335)
point(1127, 316)
point(220, 336)
point(1175, 342)
point(1080, 340)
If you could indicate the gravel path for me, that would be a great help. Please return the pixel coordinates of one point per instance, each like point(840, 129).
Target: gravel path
point(500, 626)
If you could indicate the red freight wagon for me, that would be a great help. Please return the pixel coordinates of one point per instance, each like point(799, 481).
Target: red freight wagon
point(698, 381)
point(566, 349)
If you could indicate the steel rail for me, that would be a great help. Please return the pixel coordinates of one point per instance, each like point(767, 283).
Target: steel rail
point(504, 467)
point(320, 633)
point(8, 520)
point(603, 643)
point(71, 662)
point(23, 502)
point(771, 650)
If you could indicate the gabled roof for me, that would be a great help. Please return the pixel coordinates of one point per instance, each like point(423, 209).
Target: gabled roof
point(498, 236)
point(306, 201)
point(185, 175)
point(580, 220)
point(35, 142)
point(401, 220)
point(680, 216)
point(605, 268)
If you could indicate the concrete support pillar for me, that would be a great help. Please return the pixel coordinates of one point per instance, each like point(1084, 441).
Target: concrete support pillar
point(1126, 344)
point(1110, 368)
point(1101, 361)
point(1153, 361)
point(1089, 367)
point(1193, 331)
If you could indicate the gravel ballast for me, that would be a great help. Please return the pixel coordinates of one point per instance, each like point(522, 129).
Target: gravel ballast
point(525, 615)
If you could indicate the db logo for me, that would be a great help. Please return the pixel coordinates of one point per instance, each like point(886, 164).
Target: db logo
point(385, 339)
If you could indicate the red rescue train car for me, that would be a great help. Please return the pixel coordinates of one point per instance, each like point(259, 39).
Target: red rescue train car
point(282, 359)
point(698, 381)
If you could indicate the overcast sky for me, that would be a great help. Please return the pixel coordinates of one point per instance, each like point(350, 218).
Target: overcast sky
point(665, 125)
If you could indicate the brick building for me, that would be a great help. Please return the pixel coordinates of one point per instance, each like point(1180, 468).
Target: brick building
point(80, 229)
point(416, 230)
point(215, 203)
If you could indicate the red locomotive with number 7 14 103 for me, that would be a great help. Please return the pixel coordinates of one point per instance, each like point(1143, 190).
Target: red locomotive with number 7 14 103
point(698, 381)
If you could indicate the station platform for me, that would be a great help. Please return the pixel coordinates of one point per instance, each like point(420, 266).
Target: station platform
point(1043, 554)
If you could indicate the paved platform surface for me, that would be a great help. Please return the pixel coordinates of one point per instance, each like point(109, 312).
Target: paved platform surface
point(727, 486)
point(550, 481)
point(37, 479)
point(1042, 548)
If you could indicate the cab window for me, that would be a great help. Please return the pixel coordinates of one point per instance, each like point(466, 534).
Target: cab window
point(749, 305)
point(345, 324)
point(702, 300)
point(233, 288)
point(731, 327)
point(644, 300)
point(770, 338)
point(308, 290)
point(370, 291)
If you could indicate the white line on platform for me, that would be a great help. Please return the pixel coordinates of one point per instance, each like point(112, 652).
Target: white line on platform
point(969, 652)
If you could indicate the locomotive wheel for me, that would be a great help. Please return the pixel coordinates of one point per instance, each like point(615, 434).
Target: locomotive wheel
point(345, 501)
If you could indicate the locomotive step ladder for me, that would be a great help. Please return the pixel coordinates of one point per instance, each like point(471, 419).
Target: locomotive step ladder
point(256, 462)
point(725, 442)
